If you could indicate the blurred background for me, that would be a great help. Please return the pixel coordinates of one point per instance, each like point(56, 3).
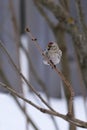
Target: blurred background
point(63, 21)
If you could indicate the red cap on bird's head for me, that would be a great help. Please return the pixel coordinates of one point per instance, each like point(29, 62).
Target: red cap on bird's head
point(50, 44)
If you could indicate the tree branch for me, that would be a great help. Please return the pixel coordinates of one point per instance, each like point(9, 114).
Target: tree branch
point(68, 85)
point(40, 82)
point(57, 10)
point(70, 119)
point(23, 110)
point(41, 10)
point(23, 77)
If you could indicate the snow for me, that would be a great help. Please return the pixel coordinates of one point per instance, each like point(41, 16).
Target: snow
point(11, 118)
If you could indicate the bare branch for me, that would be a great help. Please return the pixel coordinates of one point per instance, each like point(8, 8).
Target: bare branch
point(27, 82)
point(23, 77)
point(65, 4)
point(68, 85)
point(57, 10)
point(39, 80)
point(41, 10)
point(81, 17)
point(70, 119)
point(23, 110)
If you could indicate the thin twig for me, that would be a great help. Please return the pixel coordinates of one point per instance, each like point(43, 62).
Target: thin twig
point(81, 17)
point(41, 10)
point(27, 82)
point(24, 112)
point(68, 85)
point(17, 36)
point(65, 4)
point(42, 84)
point(39, 80)
point(58, 11)
point(23, 77)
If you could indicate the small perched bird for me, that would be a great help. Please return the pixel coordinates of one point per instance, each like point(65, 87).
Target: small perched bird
point(53, 53)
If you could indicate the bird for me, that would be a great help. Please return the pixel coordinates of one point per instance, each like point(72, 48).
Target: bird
point(53, 53)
